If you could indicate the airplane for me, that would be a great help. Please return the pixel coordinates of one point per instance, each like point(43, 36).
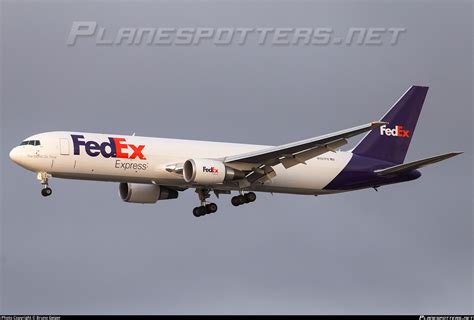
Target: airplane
point(151, 169)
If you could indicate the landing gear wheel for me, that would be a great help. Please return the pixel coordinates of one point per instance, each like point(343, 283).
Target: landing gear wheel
point(201, 211)
point(46, 192)
point(235, 201)
point(250, 197)
point(211, 208)
point(243, 199)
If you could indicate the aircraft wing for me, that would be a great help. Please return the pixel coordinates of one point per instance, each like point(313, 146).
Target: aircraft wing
point(260, 162)
point(415, 164)
point(300, 149)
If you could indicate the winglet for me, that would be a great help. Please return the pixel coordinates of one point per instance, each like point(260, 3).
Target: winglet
point(377, 124)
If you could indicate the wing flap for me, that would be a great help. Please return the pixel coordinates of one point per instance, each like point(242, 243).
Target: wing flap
point(302, 157)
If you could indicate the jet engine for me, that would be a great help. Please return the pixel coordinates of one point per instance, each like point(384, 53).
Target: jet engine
point(208, 171)
point(145, 193)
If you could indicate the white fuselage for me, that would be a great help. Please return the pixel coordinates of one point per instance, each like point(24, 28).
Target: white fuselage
point(145, 159)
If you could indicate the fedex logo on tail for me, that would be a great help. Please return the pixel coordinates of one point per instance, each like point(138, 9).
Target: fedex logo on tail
point(398, 131)
point(211, 169)
point(114, 148)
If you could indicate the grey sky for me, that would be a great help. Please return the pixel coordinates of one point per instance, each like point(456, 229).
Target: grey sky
point(406, 249)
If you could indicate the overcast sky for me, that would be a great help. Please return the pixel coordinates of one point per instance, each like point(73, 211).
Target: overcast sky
point(406, 249)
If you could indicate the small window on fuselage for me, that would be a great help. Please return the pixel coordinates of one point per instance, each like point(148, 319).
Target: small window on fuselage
point(31, 142)
point(37, 142)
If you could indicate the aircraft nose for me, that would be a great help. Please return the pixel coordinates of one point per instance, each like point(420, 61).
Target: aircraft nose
point(15, 155)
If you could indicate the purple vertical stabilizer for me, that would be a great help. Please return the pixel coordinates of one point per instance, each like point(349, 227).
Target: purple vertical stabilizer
point(390, 142)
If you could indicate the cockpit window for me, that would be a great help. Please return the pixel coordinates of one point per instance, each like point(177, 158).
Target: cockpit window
point(30, 142)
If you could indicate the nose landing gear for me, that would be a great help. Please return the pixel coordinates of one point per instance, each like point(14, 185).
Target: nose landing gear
point(43, 178)
point(47, 191)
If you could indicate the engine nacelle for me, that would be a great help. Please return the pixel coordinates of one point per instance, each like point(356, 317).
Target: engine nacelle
point(145, 193)
point(208, 171)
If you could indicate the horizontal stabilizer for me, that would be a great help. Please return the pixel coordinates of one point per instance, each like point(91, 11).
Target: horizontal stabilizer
point(415, 164)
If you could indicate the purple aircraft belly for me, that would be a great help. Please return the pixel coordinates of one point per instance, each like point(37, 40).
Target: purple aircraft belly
point(359, 174)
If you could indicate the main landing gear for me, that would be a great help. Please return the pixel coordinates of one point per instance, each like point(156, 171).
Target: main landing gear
point(205, 208)
point(43, 178)
point(243, 199)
